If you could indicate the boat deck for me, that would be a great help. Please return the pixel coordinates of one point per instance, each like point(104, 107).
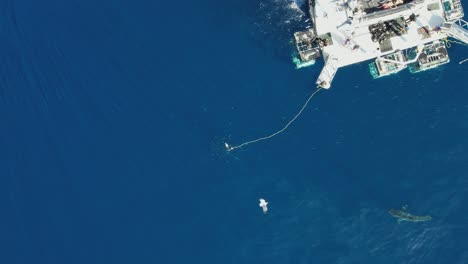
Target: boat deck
point(352, 40)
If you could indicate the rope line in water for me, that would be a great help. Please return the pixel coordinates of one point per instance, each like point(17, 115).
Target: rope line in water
point(449, 41)
point(230, 148)
point(458, 42)
point(463, 61)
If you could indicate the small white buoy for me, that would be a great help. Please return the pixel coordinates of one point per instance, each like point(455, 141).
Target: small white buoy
point(263, 204)
point(228, 148)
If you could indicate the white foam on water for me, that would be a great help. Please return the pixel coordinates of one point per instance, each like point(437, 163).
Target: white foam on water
point(283, 12)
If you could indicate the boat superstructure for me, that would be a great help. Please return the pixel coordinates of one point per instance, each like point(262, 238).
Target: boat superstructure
point(397, 34)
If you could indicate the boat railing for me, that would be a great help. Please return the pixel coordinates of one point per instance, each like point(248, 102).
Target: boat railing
point(457, 30)
point(462, 23)
point(420, 50)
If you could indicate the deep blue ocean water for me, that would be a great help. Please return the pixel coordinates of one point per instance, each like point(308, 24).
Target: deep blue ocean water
point(114, 115)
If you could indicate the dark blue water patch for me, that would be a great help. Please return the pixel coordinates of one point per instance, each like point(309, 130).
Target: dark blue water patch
point(115, 115)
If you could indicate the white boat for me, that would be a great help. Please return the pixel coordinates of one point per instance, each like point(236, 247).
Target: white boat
point(346, 32)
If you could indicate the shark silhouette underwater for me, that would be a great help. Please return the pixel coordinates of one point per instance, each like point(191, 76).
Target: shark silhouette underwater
point(404, 215)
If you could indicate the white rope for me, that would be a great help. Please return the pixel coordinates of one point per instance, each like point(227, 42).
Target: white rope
point(230, 148)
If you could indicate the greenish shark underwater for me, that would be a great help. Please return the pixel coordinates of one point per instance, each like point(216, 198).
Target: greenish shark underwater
point(404, 215)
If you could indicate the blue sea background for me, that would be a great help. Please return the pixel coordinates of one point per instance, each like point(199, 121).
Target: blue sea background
point(114, 115)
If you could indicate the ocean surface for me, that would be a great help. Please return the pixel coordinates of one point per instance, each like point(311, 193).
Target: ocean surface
point(114, 115)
